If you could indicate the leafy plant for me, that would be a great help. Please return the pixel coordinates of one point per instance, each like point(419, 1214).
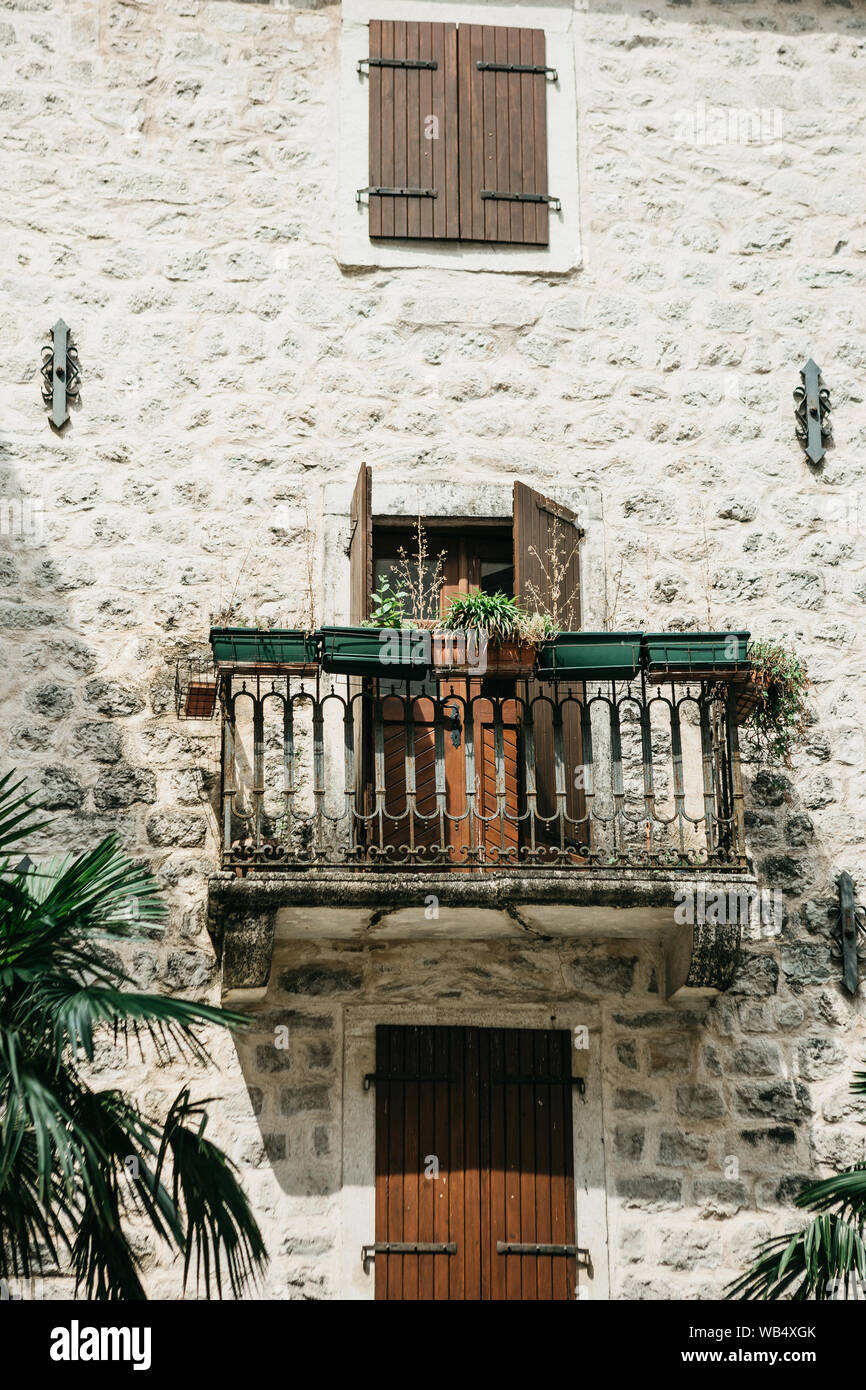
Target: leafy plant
point(77, 1163)
point(778, 720)
point(829, 1254)
point(388, 606)
point(499, 615)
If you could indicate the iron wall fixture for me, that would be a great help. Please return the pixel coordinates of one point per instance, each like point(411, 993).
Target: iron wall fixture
point(850, 931)
point(811, 410)
point(60, 373)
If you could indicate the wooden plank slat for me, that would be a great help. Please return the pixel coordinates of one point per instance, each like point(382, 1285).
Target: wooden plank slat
point(387, 118)
point(542, 1067)
point(375, 134)
point(426, 146)
point(538, 177)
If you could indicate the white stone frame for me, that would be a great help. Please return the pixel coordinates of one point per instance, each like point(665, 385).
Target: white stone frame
point(359, 1128)
point(354, 247)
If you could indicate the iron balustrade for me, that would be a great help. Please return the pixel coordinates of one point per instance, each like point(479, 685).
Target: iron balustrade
point(465, 775)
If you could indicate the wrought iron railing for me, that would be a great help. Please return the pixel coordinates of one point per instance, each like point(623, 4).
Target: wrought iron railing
point(472, 776)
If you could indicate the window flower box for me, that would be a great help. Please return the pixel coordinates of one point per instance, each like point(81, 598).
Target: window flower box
point(286, 650)
point(579, 656)
point(471, 653)
point(694, 655)
point(389, 653)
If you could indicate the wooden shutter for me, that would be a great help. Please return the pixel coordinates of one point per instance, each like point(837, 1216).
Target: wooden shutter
point(503, 134)
point(361, 546)
point(360, 591)
point(503, 1143)
point(541, 527)
point(402, 152)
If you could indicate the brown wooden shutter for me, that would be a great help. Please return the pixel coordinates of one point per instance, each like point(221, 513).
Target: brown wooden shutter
point(540, 527)
point(360, 591)
point(402, 154)
point(504, 1149)
point(503, 134)
point(361, 547)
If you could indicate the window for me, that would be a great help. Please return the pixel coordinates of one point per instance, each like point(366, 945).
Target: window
point(458, 132)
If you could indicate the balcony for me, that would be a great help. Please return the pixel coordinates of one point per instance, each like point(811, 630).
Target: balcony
point(515, 805)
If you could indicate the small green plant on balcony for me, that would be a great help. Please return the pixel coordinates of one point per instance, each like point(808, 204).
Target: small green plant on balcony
point(777, 720)
point(388, 606)
point(501, 617)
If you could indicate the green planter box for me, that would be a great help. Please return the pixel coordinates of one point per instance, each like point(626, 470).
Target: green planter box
point(694, 653)
point(579, 656)
point(390, 653)
point(288, 648)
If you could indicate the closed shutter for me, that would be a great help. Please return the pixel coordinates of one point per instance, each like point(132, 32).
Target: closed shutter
point(546, 537)
point(503, 134)
point(413, 130)
point(474, 1153)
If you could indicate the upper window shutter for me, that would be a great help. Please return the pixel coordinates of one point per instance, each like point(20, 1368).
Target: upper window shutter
point(413, 130)
point(503, 134)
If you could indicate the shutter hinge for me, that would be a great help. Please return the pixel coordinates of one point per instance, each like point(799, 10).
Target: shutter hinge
point(396, 193)
point(518, 67)
point(405, 1247)
point(397, 63)
point(555, 203)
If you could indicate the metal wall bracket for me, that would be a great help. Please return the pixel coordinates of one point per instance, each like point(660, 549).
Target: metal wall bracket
point(518, 67)
point(850, 932)
point(396, 193)
point(811, 410)
point(60, 373)
point(517, 1247)
point(555, 204)
point(396, 63)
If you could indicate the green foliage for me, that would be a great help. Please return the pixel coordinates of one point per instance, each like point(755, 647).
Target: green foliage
point(388, 606)
point(778, 721)
point(828, 1256)
point(76, 1163)
point(500, 616)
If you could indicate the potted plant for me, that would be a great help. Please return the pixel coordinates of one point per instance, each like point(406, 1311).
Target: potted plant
point(387, 644)
point(488, 634)
point(693, 655)
point(590, 656)
point(195, 688)
point(771, 700)
point(287, 650)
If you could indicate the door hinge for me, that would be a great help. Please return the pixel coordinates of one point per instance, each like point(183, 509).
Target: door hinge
point(406, 1247)
point(397, 63)
point(411, 1076)
point(576, 1081)
point(516, 1247)
point(518, 67)
point(555, 203)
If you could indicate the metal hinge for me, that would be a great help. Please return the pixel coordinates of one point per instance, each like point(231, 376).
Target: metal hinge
point(396, 193)
point(576, 1081)
point(397, 63)
point(412, 1076)
point(516, 1247)
point(555, 203)
point(518, 67)
point(406, 1247)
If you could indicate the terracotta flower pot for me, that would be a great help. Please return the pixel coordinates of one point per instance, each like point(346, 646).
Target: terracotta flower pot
point(469, 653)
point(200, 699)
point(748, 694)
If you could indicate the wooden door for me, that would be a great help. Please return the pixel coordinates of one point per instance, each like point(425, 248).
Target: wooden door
point(473, 1154)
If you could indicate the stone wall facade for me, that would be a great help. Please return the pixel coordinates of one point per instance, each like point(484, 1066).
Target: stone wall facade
point(170, 190)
